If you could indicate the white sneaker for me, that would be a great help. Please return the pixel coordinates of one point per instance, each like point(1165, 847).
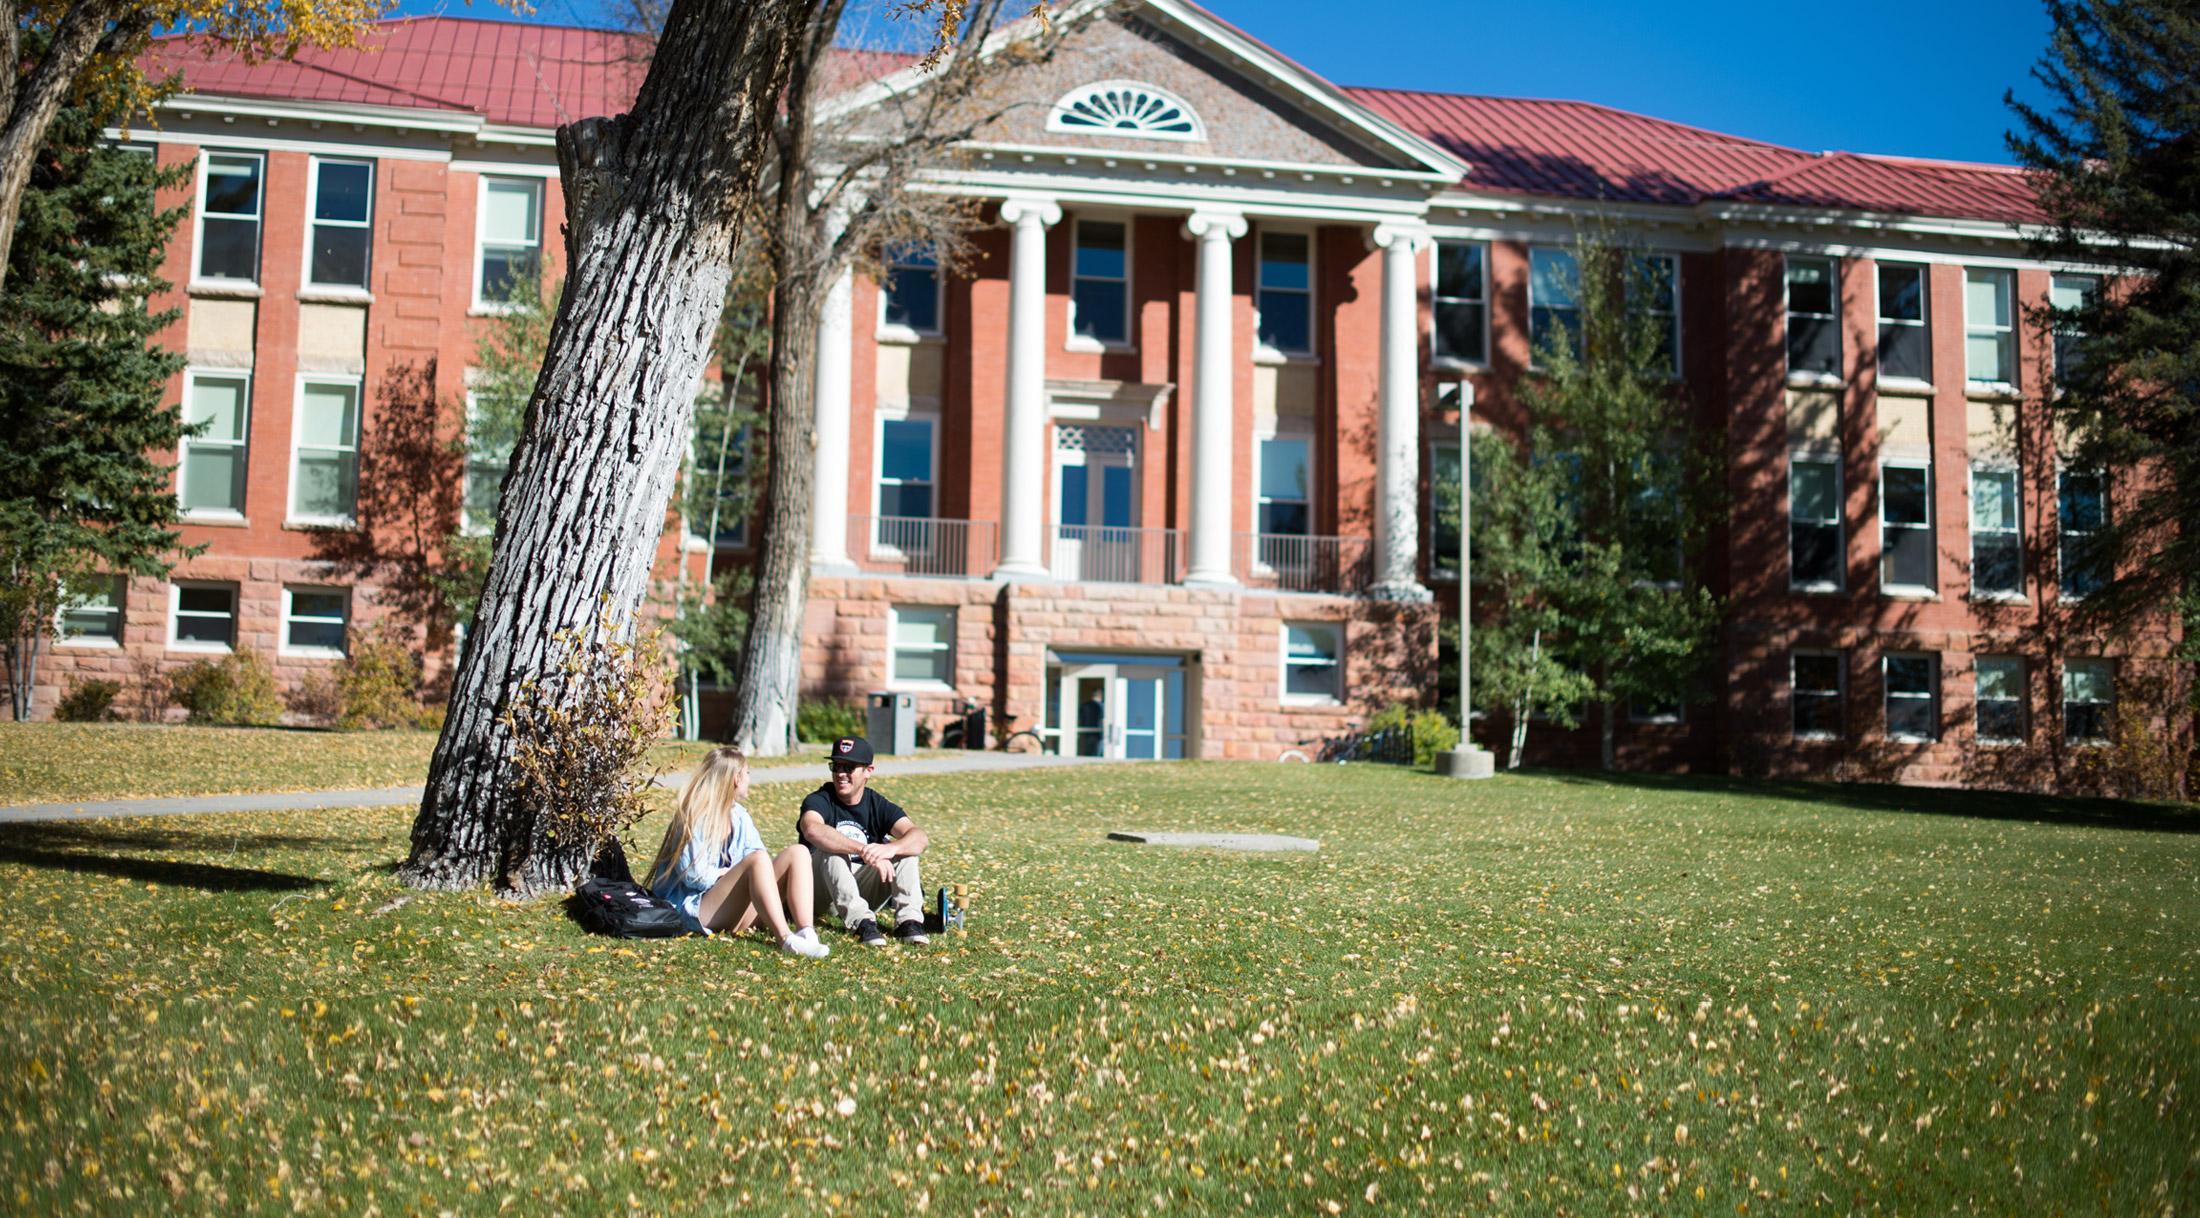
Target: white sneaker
point(805, 944)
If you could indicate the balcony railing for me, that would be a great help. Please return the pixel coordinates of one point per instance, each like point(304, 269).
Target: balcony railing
point(1291, 562)
point(1105, 554)
point(916, 545)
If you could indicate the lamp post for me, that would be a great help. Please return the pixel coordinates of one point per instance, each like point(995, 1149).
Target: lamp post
point(1466, 761)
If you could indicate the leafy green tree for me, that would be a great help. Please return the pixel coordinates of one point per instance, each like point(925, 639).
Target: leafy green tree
point(1586, 535)
point(2116, 159)
point(82, 382)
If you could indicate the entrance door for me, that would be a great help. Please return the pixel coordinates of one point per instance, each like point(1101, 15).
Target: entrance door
point(1096, 505)
point(1123, 711)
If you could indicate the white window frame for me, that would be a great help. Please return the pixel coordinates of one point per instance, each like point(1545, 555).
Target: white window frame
point(1925, 322)
point(1931, 696)
point(2063, 532)
point(481, 242)
point(896, 332)
point(1073, 341)
point(2015, 529)
point(1286, 429)
point(283, 645)
point(313, 207)
point(1677, 371)
point(1840, 524)
point(1443, 359)
point(1262, 350)
point(1789, 312)
point(906, 413)
point(1534, 340)
point(2003, 334)
point(894, 649)
point(467, 525)
point(199, 217)
point(1840, 691)
point(2064, 727)
point(2023, 701)
point(191, 378)
point(1929, 527)
point(1679, 714)
point(176, 610)
point(357, 386)
point(1285, 663)
point(2090, 286)
point(118, 589)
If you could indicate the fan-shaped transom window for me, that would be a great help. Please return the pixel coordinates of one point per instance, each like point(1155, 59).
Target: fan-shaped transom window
point(1125, 107)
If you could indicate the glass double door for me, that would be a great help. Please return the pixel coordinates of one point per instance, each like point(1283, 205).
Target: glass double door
point(1126, 711)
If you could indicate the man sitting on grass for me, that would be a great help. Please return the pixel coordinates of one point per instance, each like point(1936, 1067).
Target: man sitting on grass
point(863, 845)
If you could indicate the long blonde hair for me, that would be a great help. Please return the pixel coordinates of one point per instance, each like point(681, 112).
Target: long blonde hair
point(705, 808)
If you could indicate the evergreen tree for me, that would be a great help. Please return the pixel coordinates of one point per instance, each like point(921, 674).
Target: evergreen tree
point(2116, 159)
point(82, 382)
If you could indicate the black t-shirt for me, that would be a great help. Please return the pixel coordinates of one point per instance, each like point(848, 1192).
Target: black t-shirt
point(872, 819)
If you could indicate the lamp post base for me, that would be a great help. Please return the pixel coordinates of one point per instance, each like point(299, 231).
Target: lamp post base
point(1467, 761)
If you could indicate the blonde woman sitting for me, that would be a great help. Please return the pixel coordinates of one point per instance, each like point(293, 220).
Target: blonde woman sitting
point(714, 869)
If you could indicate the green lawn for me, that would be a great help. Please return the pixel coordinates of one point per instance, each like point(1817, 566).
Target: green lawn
point(1542, 995)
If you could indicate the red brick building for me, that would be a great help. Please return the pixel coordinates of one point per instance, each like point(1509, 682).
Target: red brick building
point(1153, 477)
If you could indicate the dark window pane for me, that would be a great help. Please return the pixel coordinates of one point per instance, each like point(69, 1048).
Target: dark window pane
point(1547, 326)
point(233, 185)
point(1291, 518)
point(908, 450)
point(913, 299)
point(1909, 675)
point(1100, 250)
point(906, 499)
point(1901, 293)
point(502, 271)
point(1905, 495)
point(1459, 271)
point(1909, 558)
point(329, 635)
point(1912, 717)
point(2083, 571)
point(1905, 351)
point(205, 600)
point(229, 249)
point(1284, 324)
point(2081, 503)
point(1817, 714)
point(2085, 721)
point(1459, 330)
point(2000, 720)
point(343, 192)
point(1283, 261)
point(1810, 285)
point(1995, 563)
point(1818, 674)
point(1816, 557)
point(1100, 313)
point(1814, 344)
point(340, 255)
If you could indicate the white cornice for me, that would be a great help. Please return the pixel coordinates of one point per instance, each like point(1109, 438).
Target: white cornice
point(408, 118)
point(1146, 194)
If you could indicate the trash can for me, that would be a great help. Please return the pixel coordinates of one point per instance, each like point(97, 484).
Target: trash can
point(891, 723)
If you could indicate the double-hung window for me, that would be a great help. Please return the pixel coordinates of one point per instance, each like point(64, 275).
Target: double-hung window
point(1813, 316)
point(1100, 282)
point(2000, 699)
point(324, 480)
point(912, 295)
point(1287, 293)
point(1461, 302)
point(1312, 662)
point(1906, 559)
point(91, 611)
point(2068, 293)
point(1814, 523)
point(1913, 696)
point(924, 645)
point(1653, 292)
point(2089, 700)
point(2082, 511)
point(1997, 550)
point(1286, 503)
point(1816, 680)
point(509, 239)
point(1989, 328)
point(907, 457)
point(202, 616)
point(1905, 333)
point(1554, 301)
point(231, 191)
point(212, 462)
point(1443, 511)
point(343, 224)
point(314, 620)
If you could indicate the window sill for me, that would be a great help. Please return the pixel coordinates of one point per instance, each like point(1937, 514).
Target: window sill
point(1452, 363)
point(334, 294)
point(903, 336)
point(1817, 590)
point(1663, 721)
point(2000, 598)
point(2090, 742)
point(1271, 357)
point(1905, 385)
point(215, 649)
point(1985, 743)
point(1309, 702)
point(312, 524)
point(1905, 593)
point(1991, 391)
point(491, 308)
point(1094, 346)
point(1815, 738)
point(1815, 380)
point(90, 644)
point(1894, 739)
point(225, 289)
point(919, 687)
point(310, 653)
point(219, 520)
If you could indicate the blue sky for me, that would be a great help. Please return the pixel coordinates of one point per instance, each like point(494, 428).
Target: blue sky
point(1907, 77)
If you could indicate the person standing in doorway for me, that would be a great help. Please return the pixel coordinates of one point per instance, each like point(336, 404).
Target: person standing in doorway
point(865, 848)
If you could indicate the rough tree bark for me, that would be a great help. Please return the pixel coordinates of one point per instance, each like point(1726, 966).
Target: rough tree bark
point(29, 101)
point(653, 206)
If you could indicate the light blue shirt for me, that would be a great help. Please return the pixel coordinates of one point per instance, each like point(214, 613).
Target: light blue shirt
point(703, 863)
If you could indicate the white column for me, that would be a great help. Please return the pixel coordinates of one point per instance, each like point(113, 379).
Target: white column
point(1024, 434)
point(829, 470)
point(1398, 473)
point(1214, 421)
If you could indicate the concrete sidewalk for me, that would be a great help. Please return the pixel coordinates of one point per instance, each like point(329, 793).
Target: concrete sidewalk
point(385, 797)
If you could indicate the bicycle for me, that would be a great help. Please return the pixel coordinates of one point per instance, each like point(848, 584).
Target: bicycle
point(1026, 741)
point(1339, 749)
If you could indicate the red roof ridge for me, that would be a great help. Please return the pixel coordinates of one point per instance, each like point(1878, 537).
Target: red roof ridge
point(1725, 137)
point(1928, 162)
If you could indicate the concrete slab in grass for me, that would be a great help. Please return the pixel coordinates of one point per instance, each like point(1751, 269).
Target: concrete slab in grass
point(1252, 843)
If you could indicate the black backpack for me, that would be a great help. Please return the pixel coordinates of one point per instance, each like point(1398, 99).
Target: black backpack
point(625, 909)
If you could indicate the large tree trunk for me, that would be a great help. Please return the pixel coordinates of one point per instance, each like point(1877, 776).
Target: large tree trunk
point(652, 219)
point(29, 102)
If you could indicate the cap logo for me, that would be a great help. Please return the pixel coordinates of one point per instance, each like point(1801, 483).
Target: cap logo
point(847, 746)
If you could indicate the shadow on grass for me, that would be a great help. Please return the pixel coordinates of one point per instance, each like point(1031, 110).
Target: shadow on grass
point(1929, 801)
point(92, 850)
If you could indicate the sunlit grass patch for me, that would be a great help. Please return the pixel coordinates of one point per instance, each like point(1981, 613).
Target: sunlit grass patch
point(1536, 995)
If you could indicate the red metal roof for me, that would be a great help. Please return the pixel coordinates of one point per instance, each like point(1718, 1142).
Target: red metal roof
point(544, 75)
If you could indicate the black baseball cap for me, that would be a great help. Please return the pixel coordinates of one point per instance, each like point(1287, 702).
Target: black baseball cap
point(853, 749)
